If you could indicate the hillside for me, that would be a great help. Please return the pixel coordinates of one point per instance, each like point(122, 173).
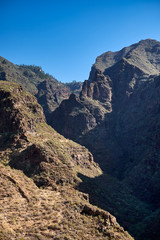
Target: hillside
point(117, 117)
point(46, 88)
point(39, 176)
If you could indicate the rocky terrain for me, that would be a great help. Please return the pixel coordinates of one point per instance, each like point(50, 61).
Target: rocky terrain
point(46, 88)
point(117, 117)
point(40, 173)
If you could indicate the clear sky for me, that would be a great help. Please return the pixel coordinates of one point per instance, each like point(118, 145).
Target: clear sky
point(64, 37)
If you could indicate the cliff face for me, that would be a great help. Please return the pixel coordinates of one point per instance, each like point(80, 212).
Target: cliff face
point(39, 174)
point(122, 97)
point(50, 94)
point(98, 89)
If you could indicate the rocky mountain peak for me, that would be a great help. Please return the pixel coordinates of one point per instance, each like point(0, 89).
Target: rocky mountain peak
point(144, 55)
point(119, 107)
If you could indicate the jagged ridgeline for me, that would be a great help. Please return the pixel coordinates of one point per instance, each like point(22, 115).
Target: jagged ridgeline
point(116, 115)
point(48, 90)
point(39, 173)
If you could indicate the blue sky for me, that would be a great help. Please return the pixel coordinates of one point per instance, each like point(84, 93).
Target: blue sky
point(64, 37)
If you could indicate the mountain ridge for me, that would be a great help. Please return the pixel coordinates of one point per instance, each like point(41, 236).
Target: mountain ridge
point(124, 142)
point(116, 116)
point(109, 58)
point(48, 90)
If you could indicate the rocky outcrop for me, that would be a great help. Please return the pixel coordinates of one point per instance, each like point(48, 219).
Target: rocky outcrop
point(98, 89)
point(77, 116)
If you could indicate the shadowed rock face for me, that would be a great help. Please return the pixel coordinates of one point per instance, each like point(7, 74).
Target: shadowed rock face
point(50, 95)
point(122, 95)
point(73, 112)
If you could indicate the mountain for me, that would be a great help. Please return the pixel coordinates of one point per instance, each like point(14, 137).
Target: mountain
point(75, 87)
point(39, 177)
point(46, 88)
point(144, 55)
point(117, 117)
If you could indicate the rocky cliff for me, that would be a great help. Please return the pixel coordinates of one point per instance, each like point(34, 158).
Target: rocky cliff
point(117, 117)
point(39, 173)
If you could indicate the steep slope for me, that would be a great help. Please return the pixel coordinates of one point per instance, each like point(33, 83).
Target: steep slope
point(46, 88)
point(121, 107)
point(28, 212)
point(55, 210)
point(23, 127)
point(50, 94)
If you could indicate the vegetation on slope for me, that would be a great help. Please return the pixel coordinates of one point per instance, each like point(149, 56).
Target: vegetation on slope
point(33, 79)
